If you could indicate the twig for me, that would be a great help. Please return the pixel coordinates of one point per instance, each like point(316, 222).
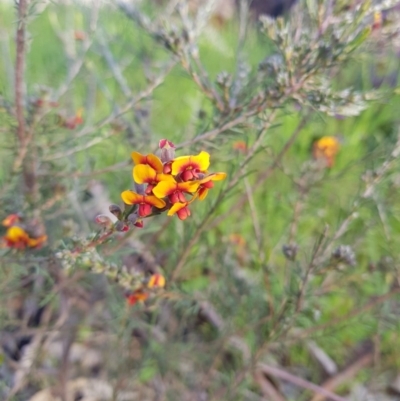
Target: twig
point(266, 174)
point(113, 116)
point(216, 131)
point(254, 217)
point(298, 381)
point(344, 376)
point(267, 388)
point(19, 70)
point(345, 318)
point(114, 67)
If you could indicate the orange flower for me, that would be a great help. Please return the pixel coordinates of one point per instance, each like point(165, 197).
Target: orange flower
point(16, 237)
point(326, 148)
point(189, 167)
point(145, 203)
point(156, 281)
point(137, 296)
point(151, 160)
point(144, 174)
point(174, 190)
point(207, 183)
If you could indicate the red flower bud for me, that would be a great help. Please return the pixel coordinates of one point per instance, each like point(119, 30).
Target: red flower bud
point(144, 209)
point(183, 213)
point(103, 220)
point(187, 175)
point(167, 168)
point(115, 210)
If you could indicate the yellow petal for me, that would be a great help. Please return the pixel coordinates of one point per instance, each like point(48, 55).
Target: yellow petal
point(200, 162)
point(143, 173)
point(213, 177)
point(156, 280)
point(131, 198)
point(164, 188)
point(15, 234)
point(151, 159)
point(176, 207)
point(188, 186)
point(203, 193)
point(154, 201)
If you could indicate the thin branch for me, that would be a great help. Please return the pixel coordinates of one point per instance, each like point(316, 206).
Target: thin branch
point(265, 174)
point(345, 376)
point(19, 70)
point(240, 173)
point(298, 381)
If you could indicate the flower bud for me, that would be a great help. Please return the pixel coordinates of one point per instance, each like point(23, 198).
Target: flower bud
point(140, 189)
point(121, 226)
point(167, 169)
point(139, 224)
point(115, 210)
point(344, 254)
point(133, 218)
point(167, 150)
point(290, 251)
point(103, 220)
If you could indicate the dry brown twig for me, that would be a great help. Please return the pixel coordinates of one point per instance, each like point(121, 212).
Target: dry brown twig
point(284, 375)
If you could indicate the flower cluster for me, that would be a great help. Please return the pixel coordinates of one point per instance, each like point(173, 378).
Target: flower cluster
point(166, 183)
point(20, 235)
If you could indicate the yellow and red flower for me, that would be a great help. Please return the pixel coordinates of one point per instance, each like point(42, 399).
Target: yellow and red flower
point(189, 167)
point(152, 160)
point(156, 280)
point(326, 149)
point(16, 237)
point(181, 210)
point(145, 174)
point(137, 296)
point(166, 183)
point(207, 183)
point(145, 202)
point(175, 190)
